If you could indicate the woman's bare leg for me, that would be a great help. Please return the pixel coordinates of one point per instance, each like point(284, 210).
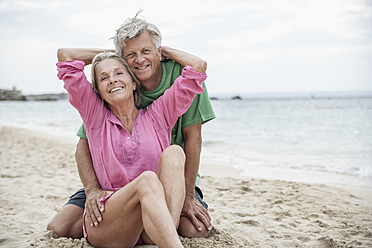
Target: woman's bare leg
point(137, 206)
point(171, 173)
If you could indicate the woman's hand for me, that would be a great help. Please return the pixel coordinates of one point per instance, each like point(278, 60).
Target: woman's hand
point(93, 205)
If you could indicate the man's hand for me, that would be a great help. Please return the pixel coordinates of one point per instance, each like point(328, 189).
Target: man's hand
point(193, 210)
point(93, 205)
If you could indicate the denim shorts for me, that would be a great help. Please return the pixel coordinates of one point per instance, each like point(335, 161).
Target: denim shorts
point(79, 197)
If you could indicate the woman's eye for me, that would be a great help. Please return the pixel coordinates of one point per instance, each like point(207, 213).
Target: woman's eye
point(103, 78)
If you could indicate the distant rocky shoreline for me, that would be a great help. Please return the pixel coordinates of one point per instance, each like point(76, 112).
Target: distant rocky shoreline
point(11, 95)
point(16, 95)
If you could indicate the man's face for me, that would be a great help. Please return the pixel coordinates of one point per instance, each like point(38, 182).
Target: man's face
point(143, 58)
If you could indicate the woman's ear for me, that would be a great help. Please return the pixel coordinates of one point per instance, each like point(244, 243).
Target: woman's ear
point(101, 96)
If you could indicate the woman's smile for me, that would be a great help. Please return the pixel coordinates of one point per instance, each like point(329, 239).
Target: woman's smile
point(116, 89)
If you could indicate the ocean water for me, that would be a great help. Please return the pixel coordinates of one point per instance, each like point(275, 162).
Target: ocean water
point(53, 117)
point(332, 136)
point(263, 137)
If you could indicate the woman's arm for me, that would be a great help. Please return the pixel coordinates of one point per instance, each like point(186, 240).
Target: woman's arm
point(80, 92)
point(83, 54)
point(184, 58)
point(177, 99)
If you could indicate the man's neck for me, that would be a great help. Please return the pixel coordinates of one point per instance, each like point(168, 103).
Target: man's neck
point(153, 83)
point(149, 85)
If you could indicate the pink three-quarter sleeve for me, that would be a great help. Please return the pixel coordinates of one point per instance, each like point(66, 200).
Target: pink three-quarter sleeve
point(81, 94)
point(178, 98)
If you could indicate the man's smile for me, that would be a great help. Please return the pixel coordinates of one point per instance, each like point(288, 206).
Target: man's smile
point(141, 68)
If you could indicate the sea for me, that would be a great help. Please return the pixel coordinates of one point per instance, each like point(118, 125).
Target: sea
point(318, 140)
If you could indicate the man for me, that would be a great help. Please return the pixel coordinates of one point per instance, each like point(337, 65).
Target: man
point(139, 42)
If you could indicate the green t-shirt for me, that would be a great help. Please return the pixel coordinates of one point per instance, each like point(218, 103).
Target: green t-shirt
point(200, 111)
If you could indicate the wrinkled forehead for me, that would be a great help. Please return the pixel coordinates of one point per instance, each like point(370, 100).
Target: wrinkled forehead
point(109, 64)
point(143, 39)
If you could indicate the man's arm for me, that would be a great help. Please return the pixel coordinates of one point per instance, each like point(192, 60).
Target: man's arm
point(192, 208)
point(83, 54)
point(90, 182)
point(193, 142)
point(184, 58)
point(192, 151)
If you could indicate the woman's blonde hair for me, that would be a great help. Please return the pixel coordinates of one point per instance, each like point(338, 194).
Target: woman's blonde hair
point(110, 55)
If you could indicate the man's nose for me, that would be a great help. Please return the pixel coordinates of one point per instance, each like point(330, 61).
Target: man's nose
point(140, 58)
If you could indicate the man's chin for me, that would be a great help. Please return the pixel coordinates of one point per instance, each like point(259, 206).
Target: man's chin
point(142, 76)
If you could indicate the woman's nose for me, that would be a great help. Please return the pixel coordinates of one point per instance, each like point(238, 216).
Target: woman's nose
point(113, 80)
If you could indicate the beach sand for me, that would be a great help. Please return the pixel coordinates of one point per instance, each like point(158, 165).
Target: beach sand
point(38, 174)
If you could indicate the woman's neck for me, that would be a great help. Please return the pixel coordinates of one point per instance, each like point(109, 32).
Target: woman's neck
point(127, 116)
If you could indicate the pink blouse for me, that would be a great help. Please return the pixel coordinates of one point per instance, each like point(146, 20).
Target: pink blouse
point(118, 157)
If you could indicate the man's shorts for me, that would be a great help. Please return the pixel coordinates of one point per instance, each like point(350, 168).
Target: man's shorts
point(79, 198)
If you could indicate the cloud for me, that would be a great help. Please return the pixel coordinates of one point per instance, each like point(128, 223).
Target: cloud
point(297, 29)
point(231, 35)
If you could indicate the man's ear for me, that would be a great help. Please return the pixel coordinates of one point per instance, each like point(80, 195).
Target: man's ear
point(162, 58)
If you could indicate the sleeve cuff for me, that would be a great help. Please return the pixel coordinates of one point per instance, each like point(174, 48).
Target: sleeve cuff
point(69, 66)
point(190, 73)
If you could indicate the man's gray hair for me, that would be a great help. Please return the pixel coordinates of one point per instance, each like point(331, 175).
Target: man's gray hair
point(131, 28)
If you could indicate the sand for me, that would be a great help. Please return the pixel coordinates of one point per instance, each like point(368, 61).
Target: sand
point(38, 174)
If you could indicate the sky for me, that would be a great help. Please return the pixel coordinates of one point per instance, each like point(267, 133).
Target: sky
point(251, 46)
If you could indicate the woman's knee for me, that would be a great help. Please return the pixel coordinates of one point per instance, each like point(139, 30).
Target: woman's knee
point(174, 155)
point(149, 184)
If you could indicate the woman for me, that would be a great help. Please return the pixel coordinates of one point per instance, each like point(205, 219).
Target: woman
point(130, 148)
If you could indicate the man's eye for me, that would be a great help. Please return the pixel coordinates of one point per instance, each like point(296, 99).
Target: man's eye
point(119, 73)
point(131, 55)
point(146, 51)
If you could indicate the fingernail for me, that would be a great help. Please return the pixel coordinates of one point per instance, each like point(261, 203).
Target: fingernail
point(91, 224)
point(99, 219)
point(95, 223)
point(209, 228)
point(101, 209)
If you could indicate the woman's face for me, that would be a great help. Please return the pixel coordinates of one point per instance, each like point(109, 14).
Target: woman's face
point(114, 82)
